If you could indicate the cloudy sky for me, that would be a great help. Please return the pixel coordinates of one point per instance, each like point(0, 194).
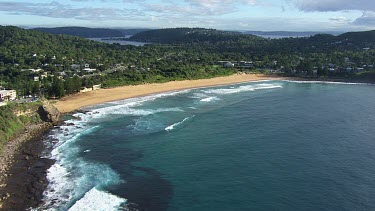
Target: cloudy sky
point(262, 15)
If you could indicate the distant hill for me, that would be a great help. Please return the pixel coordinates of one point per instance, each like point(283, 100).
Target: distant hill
point(190, 35)
point(131, 32)
point(359, 39)
point(287, 33)
point(83, 31)
point(365, 36)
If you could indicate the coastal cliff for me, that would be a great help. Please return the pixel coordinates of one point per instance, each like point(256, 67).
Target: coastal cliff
point(49, 113)
point(21, 129)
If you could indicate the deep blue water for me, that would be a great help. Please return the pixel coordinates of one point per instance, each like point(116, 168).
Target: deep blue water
point(271, 145)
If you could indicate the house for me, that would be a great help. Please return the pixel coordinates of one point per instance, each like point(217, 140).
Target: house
point(36, 70)
point(75, 66)
point(228, 64)
point(6, 95)
point(83, 90)
point(245, 64)
point(96, 87)
point(44, 75)
point(222, 62)
point(61, 73)
point(360, 69)
point(89, 70)
point(93, 88)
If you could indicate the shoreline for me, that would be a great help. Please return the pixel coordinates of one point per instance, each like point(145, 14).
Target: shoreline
point(77, 101)
point(22, 157)
point(31, 170)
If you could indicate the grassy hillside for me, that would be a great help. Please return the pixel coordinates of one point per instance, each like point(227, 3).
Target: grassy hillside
point(14, 117)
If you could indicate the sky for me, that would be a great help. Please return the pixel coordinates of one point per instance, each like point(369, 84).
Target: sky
point(257, 15)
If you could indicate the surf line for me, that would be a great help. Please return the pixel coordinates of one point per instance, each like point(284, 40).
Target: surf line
point(173, 126)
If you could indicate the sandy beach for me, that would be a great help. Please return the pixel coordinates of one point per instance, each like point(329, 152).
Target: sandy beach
point(77, 101)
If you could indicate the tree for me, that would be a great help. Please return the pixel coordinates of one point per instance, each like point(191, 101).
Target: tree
point(68, 84)
point(57, 88)
point(322, 71)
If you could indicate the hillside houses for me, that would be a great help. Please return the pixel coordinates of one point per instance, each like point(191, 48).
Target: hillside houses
point(7, 95)
point(239, 64)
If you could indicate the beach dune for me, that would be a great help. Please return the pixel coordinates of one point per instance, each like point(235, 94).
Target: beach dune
point(77, 101)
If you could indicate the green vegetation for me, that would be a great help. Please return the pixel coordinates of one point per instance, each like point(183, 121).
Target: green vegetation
point(90, 32)
point(366, 36)
point(14, 117)
point(191, 35)
point(82, 32)
point(37, 63)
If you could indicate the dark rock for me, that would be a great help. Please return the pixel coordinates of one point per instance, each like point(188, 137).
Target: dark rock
point(49, 113)
point(26, 179)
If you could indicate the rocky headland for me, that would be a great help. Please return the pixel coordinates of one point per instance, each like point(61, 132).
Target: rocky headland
point(22, 167)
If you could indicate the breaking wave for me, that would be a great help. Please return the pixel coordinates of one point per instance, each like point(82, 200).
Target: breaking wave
point(209, 99)
point(96, 200)
point(178, 124)
point(244, 88)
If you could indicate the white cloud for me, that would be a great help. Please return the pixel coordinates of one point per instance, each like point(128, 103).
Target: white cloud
point(335, 5)
point(200, 7)
point(212, 4)
point(58, 10)
point(367, 19)
point(366, 6)
point(340, 19)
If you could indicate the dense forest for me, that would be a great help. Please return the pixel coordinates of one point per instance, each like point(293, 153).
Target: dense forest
point(192, 35)
point(90, 32)
point(38, 63)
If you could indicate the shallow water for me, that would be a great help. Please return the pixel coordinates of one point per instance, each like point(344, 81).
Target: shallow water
point(270, 145)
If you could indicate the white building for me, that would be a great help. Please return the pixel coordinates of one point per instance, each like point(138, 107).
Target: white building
point(6, 95)
point(228, 64)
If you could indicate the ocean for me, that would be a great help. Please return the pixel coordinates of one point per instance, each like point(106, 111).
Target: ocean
point(267, 145)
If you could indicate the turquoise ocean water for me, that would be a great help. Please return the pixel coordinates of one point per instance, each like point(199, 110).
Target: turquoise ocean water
point(268, 145)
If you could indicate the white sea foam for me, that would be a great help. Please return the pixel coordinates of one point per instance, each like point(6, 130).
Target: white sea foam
point(131, 102)
point(72, 178)
point(326, 82)
point(96, 200)
point(209, 99)
point(175, 125)
point(244, 88)
point(70, 138)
